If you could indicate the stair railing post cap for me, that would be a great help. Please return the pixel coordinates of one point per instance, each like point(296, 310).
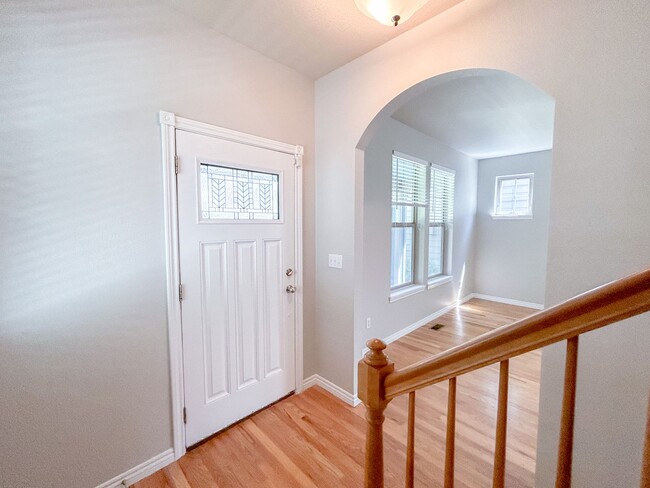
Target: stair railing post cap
point(376, 356)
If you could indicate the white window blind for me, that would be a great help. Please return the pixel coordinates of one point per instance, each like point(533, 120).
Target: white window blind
point(441, 205)
point(409, 182)
point(514, 195)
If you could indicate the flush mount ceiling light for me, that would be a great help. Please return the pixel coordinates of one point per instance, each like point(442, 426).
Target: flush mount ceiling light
point(389, 12)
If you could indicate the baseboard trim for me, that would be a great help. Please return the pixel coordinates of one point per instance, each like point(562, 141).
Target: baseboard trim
point(509, 301)
point(410, 328)
point(335, 390)
point(141, 471)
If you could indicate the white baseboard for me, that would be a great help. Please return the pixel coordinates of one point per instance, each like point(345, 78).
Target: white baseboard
point(509, 301)
point(353, 400)
point(410, 328)
point(141, 471)
point(335, 390)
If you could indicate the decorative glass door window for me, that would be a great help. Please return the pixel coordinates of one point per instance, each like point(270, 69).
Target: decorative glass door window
point(238, 194)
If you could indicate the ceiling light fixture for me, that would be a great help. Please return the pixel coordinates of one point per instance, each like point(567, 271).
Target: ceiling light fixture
point(389, 12)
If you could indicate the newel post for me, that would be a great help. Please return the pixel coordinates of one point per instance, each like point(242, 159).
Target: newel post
point(373, 369)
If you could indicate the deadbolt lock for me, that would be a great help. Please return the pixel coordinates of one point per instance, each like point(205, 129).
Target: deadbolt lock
point(289, 272)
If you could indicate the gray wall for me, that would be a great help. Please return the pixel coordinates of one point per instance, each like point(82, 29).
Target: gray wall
point(591, 57)
point(388, 318)
point(84, 381)
point(511, 253)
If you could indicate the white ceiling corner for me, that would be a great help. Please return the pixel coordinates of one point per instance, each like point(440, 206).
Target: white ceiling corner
point(312, 37)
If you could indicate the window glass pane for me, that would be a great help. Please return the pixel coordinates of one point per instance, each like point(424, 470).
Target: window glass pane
point(401, 263)
point(507, 196)
point(232, 193)
point(403, 214)
point(436, 246)
point(522, 190)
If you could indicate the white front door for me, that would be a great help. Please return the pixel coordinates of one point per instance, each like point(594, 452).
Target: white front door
point(236, 240)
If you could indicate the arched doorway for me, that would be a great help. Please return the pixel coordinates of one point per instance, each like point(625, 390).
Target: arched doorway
point(452, 205)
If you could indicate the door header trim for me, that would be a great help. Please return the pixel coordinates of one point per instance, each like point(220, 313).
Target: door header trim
point(181, 123)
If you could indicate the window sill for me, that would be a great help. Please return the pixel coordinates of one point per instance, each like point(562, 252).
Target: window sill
point(512, 217)
point(407, 291)
point(438, 280)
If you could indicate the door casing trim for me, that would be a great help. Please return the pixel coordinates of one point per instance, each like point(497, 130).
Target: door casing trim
point(169, 124)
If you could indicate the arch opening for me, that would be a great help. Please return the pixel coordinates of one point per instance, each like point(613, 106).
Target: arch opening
point(454, 198)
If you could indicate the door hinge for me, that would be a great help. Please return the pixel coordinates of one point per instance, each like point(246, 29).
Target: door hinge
point(184, 415)
point(180, 291)
point(176, 164)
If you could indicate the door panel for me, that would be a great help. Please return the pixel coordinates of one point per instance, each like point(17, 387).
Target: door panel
point(236, 234)
point(247, 313)
point(215, 320)
point(273, 292)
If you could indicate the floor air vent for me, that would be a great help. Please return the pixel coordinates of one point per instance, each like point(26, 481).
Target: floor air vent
point(436, 326)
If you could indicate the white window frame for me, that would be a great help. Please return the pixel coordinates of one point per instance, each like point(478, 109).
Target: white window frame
point(421, 279)
point(498, 181)
point(420, 213)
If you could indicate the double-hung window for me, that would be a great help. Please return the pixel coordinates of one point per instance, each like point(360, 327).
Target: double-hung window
point(441, 217)
point(422, 216)
point(409, 200)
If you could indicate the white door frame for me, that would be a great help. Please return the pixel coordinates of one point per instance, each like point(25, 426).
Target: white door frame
point(169, 124)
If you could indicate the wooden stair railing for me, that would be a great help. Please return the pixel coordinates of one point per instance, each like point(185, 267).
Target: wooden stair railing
point(379, 383)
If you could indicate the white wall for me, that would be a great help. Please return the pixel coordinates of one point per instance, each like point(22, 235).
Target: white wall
point(84, 381)
point(591, 58)
point(511, 254)
point(388, 318)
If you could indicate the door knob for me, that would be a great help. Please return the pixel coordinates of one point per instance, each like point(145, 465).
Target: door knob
point(291, 289)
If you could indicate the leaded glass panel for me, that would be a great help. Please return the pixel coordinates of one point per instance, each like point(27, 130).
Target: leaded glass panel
point(238, 194)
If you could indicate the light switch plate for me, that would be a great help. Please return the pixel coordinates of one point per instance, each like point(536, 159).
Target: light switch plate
point(335, 261)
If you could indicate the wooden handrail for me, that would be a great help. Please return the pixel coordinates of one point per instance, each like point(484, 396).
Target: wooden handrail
point(379, 383)
point(601, 306)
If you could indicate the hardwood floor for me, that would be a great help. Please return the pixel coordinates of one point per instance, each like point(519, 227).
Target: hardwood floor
point(314, 440)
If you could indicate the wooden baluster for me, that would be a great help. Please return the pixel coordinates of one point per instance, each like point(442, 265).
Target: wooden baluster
point(373, 369)
point(410, 443)
point(645, 473)
point(565, 450)
point(499, 473)
point(450, 449)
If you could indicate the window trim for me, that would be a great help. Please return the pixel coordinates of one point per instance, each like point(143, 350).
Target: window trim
point(439, 280)
point(405, 291)
point(498, 180)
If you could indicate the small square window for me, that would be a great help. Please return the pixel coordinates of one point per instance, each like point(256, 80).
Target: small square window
point(513, 196)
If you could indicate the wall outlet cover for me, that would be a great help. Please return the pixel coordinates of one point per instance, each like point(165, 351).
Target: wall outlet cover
point(335, 261)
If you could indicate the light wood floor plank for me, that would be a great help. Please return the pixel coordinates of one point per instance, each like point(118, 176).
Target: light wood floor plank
point(315, 440)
